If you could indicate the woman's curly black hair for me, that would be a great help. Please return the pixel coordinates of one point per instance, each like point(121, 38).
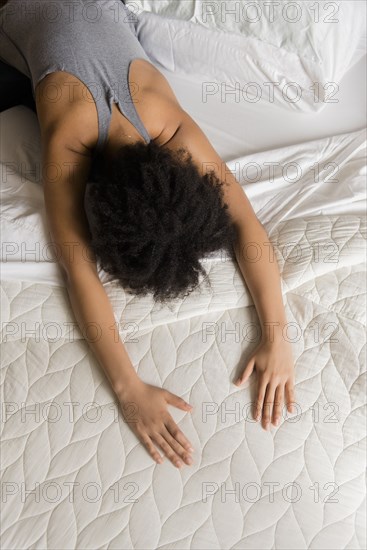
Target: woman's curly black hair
point(154, 217)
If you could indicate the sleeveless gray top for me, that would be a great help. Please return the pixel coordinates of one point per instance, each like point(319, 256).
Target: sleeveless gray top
point(94, 40)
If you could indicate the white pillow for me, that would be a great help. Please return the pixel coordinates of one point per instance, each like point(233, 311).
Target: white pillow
point(292, 53)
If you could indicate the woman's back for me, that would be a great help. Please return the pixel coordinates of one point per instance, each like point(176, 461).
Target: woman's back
point(93, 42)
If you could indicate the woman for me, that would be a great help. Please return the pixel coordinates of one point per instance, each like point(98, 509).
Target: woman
point(161, 197)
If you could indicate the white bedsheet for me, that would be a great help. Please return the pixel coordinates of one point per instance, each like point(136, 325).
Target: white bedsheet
point(237, 127)
point(299, 486)
point(222, 41)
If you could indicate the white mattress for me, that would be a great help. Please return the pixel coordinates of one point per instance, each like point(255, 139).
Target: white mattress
point(194, 347)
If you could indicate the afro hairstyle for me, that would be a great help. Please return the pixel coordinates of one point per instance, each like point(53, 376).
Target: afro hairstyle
point(153, 217)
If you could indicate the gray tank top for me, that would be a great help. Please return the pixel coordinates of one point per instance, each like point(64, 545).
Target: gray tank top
point(94, 40)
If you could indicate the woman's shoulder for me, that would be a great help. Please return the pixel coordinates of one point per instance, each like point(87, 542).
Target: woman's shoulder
point(66, 110)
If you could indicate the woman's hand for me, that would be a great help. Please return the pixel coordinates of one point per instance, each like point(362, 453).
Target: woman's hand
point(144, 408)
point(274, 364)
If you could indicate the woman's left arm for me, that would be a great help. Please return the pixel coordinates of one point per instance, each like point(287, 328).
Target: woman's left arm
point(272, 358)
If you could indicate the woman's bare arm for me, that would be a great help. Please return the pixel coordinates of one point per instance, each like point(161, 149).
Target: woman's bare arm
point(262, 276)
point(64, 175)
point(65, 169)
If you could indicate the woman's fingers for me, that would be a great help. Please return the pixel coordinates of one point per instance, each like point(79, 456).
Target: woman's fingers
point(270, 401)
point(268, 405)
point(247, 372)
point(144, 408)
point(167, 449)
point(147, 442)
point(278, 404)
point(175, 431)
point(177, 447)
point(261, 389)
point(289, 392)
point(176, 401)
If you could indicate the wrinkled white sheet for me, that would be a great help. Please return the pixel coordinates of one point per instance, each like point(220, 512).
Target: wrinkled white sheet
point(295, 49)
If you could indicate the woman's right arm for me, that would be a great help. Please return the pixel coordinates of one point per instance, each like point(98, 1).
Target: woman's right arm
point(64, 173)
point(65, 170)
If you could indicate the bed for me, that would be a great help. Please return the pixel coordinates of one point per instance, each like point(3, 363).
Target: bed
point(74, 476)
